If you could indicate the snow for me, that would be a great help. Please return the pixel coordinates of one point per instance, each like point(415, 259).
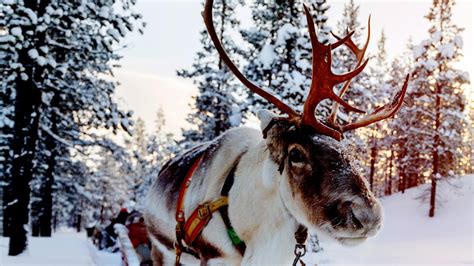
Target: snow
point(418, 50)
point(267, 56)
point(16, 31)
point(104, 12)
point(7, 38)
point(458, 41)
point(126, 245)
point(447, 50)
point(284, 33)
point(31, 15)
point(436, 36)
point(430, 64)
point(66, 247)
point(41, 60)
point(409, 236)
point(33, 53)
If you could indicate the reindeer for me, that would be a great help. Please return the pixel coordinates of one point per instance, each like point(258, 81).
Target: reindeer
point(270, 185)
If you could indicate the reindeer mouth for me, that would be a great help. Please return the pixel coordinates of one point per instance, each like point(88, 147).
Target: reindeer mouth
point(351, 241)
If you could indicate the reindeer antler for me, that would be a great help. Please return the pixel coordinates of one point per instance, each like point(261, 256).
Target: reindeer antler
point(359, 54)
point(380, 113)
point(322, 83)
point(323, 80)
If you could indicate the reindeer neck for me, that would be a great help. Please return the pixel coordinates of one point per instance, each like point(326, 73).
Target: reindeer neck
point(261, 205)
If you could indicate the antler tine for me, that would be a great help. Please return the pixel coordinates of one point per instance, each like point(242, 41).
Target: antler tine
point(383, 112)
point(207, 15)
point(315, 94)
point(359, 54)
point(323, 81)
point(341, 78)
point(341, 41)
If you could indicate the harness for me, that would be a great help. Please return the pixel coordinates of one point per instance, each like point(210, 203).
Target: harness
point(188, 230)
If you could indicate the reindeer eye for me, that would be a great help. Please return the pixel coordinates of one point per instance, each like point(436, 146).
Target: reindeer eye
point(296, 156)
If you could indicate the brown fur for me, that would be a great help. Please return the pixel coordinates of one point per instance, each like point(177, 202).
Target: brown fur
point(155, 232)
point(324, 175)
point(156, 256)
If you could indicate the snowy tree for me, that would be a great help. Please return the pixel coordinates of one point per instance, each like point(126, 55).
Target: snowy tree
point(138, 147)
point(438, 91)
point(160, 147)
point(357, 94)
point(279, 58)
point(407, 163)
point(57, 54)
point(378, 133)
point(7, 96)
point(69, 194)
point(217, 107)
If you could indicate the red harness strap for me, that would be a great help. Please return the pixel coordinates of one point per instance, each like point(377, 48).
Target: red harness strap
point(187, 230)
point(183, 189)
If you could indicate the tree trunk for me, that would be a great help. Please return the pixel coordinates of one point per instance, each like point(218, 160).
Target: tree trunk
point(6, 210)
point(388, 190)
point(27, 102)
point(434, 175)
point(373, 156)
point(24, 143)
point(78, 222)
point(45, 219)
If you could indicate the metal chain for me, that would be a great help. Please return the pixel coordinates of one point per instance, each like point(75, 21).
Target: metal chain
point(300, 251)
point(300, 248)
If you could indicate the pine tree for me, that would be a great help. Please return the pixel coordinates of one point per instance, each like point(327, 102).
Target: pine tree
point(7, 95)
point(402, 146)
point(138, 148)
point(359, 96)
point(280, 51)
point(216, 108)
point(378, 133)
point(56, 52)
point(440, 94)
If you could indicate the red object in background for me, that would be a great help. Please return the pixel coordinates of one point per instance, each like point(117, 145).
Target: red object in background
point(137, 233)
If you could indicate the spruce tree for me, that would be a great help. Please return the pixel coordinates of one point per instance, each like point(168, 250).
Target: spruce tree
point(439, 95)
point(216, 108)
point(279, 57)
point(57, 54)
point(357, 94)
point(378, 134)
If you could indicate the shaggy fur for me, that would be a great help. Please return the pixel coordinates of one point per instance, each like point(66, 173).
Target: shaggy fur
point(292, 177)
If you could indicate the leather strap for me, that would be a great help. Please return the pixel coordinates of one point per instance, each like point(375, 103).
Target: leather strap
point(187, 230)
point(200, 218)
point(180, 245)
point(224, 211)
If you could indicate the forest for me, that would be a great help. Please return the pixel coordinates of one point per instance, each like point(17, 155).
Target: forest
point(72, 156)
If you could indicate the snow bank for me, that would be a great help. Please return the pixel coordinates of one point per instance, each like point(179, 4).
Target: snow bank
point(65, 247)
point(409, 236)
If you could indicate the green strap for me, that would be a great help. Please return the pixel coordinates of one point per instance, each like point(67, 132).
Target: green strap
point(234, 237)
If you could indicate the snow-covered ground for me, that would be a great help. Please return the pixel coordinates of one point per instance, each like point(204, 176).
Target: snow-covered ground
point(410, 237)
point(66, 247)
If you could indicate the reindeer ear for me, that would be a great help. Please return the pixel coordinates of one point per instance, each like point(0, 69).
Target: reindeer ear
point(267, 120)
point(265, 117)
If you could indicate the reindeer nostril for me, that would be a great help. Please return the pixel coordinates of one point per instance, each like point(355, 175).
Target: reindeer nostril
point(357, 223)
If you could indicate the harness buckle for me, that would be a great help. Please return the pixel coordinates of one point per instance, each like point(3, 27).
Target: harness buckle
point(204, 211)
point(180, 216)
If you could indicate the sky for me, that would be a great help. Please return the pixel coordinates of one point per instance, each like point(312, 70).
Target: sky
point(170, 41)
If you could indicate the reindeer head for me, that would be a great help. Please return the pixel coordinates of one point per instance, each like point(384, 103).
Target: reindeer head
point(316, 181)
